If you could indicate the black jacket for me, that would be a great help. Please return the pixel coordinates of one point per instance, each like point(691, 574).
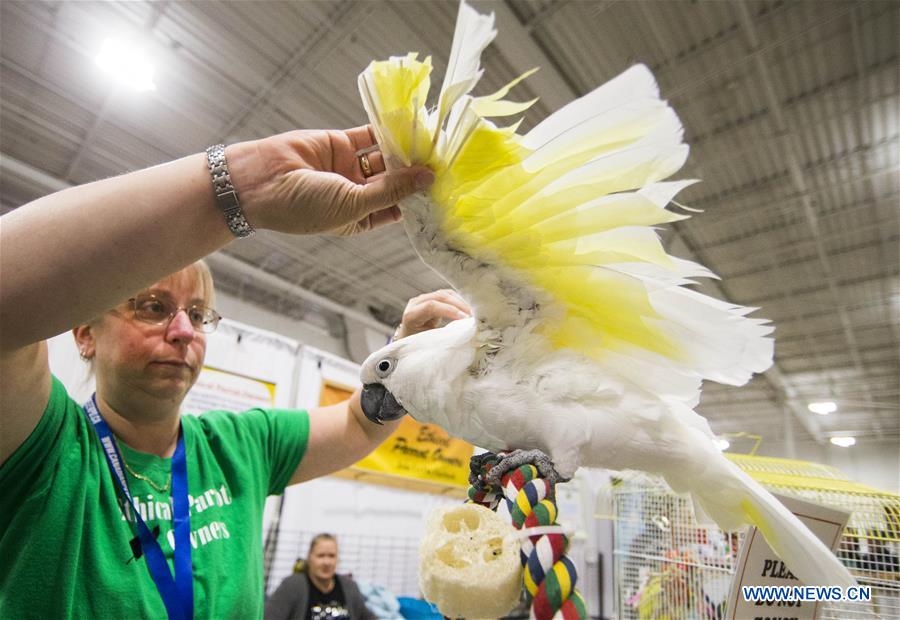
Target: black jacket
point(290, 600)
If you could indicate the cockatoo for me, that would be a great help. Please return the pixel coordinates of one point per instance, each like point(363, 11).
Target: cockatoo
point(585, 342)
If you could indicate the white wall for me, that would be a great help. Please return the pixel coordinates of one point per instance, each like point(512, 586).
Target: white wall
point(871, 462)
point(301, 331)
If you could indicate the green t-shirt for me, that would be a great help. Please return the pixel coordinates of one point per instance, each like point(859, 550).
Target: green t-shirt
point(64, 542)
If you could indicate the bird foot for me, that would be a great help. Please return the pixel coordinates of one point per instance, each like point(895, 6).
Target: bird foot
point(488, 469)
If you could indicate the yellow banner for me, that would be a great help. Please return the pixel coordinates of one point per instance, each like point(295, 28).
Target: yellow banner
point(415, 451)
point(424, 452)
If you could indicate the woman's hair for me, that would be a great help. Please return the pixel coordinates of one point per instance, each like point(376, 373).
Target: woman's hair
point(204, 280)
point(207, 293)
point(300, 564)
point(204, 277)
point(319, 537)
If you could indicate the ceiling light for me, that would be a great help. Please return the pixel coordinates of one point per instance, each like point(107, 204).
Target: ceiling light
point(844, 442)
point(126, 64)
point(721, 444)
point(823, 407)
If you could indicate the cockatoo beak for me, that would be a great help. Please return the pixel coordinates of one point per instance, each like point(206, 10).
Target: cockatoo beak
point(379, 405)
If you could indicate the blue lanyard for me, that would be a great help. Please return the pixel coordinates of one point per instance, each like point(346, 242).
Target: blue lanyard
point(178, 593)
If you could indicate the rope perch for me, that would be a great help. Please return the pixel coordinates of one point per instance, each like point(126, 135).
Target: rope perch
point(526, 480)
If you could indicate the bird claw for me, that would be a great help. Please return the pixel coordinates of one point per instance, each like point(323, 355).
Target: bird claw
point(503, 462)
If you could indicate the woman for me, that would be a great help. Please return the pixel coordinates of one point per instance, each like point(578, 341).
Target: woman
point(121, 508)
point(318, 592)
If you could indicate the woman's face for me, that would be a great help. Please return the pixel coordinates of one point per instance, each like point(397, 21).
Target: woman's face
point(162, 361)
point(322, 560)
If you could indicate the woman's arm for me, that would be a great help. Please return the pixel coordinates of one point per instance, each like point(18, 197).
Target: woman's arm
point(356, 602)
point(286, 601)
point(70, 256)
point(24, 393)
point(340, 435)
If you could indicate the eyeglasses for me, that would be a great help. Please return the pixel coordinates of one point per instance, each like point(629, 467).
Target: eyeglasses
point(159, 311)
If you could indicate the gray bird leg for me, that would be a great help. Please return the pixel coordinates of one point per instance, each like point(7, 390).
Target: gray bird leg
point(507, 461)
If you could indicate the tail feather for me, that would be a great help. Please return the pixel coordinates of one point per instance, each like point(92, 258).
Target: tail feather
point(732, 498)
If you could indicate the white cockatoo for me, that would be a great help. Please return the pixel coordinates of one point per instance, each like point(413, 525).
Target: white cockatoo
point(585, 343)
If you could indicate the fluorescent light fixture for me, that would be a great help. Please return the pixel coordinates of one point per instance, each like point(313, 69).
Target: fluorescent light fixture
point(127, 64)
point(823, 407)
point(844, 442)
point(721, 444)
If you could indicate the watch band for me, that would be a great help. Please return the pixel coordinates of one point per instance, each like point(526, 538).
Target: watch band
point(226, 197)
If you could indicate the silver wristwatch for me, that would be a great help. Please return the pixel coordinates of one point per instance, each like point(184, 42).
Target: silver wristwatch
point(226, 197)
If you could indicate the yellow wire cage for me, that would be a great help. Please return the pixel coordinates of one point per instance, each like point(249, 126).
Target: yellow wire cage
point(667, 566)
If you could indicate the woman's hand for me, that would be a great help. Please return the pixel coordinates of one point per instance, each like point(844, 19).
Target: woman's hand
point(312, 181)
point(427, 311)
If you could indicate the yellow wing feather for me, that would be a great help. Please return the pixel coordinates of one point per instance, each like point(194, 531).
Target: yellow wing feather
point(569, 216)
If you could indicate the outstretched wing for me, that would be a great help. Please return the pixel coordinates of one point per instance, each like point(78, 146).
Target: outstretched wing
point(552, 232)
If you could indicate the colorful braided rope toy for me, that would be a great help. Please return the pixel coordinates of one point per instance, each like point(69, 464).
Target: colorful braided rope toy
point(527, 481)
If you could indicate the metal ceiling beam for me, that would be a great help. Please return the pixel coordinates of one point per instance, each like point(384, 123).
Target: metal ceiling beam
point(790, 149)
point(287, 245)
point(864, 131)
point(856, 411)
point(87, 140)
point(724, 406)
point(226, 262)
point(876, 326)
point(74, 44)
point(832, 88)
point(111, 97)
point(345, 19)
point(839, 253)
point(690, 86)
point(766, 425)
point(11, 166)
point(752, 234)
point(519, 48)
point(711, 46)
point(882, 372)
point(739, 192)
point(659, 37)
point(68, 98)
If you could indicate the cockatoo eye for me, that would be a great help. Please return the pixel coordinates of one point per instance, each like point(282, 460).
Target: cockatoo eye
point(384, 367)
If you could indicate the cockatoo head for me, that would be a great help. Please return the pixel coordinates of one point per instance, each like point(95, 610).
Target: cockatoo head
point(418, 374)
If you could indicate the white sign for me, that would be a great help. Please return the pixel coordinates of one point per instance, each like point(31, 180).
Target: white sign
point(221, 390)
point(759, 565)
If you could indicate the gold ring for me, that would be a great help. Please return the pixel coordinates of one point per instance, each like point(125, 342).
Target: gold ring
point(365, 165)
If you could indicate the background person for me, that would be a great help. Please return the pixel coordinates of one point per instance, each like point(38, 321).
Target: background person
point(318, 592)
